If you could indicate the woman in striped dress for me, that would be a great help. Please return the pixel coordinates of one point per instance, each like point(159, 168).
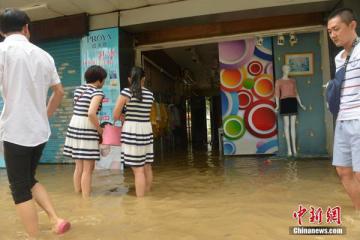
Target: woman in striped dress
point(137, 137)
point(82, 138)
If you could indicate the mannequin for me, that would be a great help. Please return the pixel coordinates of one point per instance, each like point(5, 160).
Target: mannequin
point(287, 99)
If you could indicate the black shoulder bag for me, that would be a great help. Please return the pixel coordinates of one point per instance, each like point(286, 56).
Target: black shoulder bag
point(333, 90)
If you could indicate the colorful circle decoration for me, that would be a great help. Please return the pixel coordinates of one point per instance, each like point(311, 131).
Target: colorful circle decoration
point(267, 147)
point(229, 103)
point(260, 119)
point(234, 127)
point(231, 80)
point(245, 99)
point(229, 148)
point(248, 83)
point(269, 68)
point(236, 53)
point(255, 68)
point(264, 86)
point(259, 143)
point(265, 51)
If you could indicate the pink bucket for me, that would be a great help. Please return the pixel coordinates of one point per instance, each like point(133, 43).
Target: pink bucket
point(111, 135)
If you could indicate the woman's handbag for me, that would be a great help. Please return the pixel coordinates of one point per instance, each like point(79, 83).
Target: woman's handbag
point(111, 135)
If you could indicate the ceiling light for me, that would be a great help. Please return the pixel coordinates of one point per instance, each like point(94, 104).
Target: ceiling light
point(34, 7)
point(259, 41)
point(281, 40)
point(293, 39)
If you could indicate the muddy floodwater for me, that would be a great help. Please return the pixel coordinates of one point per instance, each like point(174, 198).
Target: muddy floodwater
point(196, 196)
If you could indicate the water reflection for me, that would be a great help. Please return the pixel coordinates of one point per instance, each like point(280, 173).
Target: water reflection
point(196, 195)
point(292, 173)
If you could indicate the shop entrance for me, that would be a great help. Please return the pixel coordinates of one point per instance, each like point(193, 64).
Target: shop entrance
point(176, 81)
point(185, 82)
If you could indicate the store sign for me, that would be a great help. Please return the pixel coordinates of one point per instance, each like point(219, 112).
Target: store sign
point(101, 47)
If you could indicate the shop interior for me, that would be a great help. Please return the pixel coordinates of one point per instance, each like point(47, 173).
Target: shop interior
point(185, 82)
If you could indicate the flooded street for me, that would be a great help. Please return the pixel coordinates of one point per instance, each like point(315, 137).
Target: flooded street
point(195, 196)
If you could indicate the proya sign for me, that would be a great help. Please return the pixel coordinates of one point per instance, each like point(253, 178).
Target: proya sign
point(98, 38)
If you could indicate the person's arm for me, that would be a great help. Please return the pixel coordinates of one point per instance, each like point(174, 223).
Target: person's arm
point(277, 104)
point(120, 103)
point(55, 99)
point(299, 101)
point(298, 98)
point(92, 112)
point(56, 87)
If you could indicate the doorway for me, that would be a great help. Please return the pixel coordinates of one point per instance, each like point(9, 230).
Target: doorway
point(185, 82)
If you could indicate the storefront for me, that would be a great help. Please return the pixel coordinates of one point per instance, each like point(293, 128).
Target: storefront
point(247, 73)
point(243, 110)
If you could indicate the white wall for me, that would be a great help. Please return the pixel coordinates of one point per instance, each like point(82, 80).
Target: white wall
point(104, 21)
point(193, 8)
point(185, 9)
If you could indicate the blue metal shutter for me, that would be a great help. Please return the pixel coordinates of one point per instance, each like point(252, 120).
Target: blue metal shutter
point(66, 54)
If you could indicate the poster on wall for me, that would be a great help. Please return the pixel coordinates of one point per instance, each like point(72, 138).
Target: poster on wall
point(101, 47)
point(247, 97)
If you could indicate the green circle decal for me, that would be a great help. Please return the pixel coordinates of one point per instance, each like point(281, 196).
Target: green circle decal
point(234, 127)
point(248, 83)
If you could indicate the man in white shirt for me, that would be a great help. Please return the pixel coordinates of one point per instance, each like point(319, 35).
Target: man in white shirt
point(26, 74)
point(346, 156)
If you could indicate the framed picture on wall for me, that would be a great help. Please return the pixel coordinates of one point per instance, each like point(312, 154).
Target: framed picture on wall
point(301, 64)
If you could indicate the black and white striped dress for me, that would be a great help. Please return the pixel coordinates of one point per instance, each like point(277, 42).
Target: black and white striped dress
point(82, 138)
point(137, 136)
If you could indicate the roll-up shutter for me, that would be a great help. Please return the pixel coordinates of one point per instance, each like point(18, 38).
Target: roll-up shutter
point(66, 54)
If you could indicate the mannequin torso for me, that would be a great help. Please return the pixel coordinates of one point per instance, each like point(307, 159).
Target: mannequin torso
point(285, 88)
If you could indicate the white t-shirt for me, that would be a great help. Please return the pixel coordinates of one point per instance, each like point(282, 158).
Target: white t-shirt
point(350, 93)
point(26, 73)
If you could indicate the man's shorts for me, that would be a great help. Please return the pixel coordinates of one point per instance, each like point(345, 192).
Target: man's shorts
point(21, 163)
point(347, 144)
